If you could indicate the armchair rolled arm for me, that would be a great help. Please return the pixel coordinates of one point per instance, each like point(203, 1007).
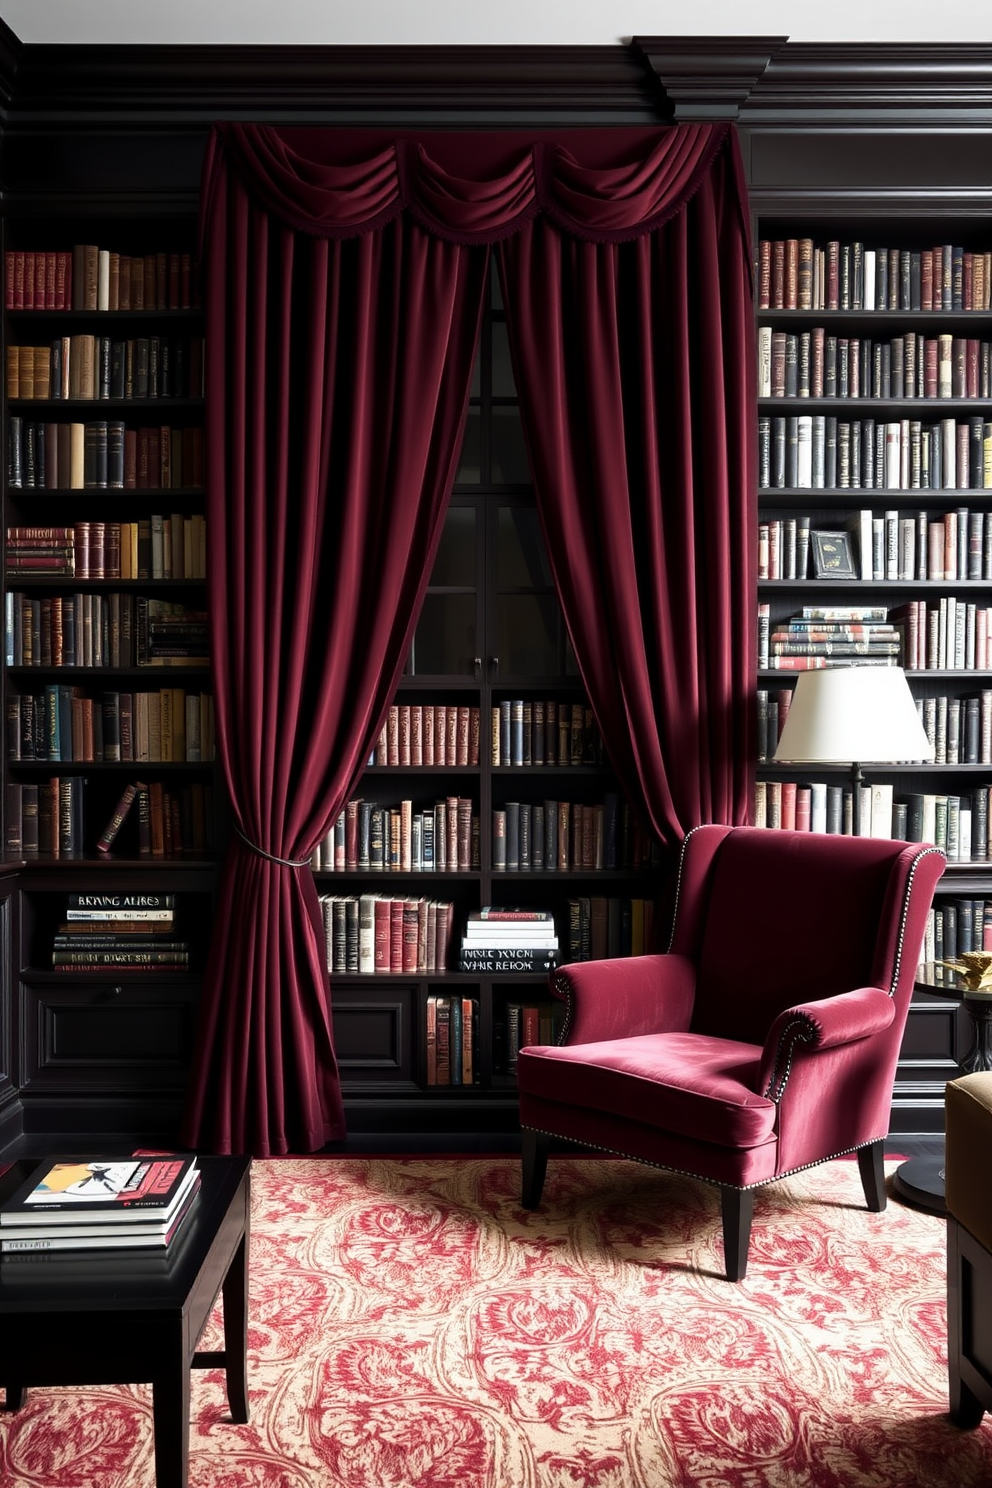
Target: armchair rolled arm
point(824, 1024)
point(625, 996)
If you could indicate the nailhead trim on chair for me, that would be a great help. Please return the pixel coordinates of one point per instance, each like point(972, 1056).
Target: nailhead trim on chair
point(805, 1033)
point(688, 1173)
point(776, 1085)
point(678, 882)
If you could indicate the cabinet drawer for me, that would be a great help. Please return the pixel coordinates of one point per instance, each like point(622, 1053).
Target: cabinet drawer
point(107, 1035)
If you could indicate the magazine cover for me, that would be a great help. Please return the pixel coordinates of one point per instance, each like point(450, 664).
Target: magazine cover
point(101, 1190)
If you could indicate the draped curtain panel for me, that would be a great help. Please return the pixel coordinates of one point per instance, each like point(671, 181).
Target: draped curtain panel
point(343, 275)
point(633, 362)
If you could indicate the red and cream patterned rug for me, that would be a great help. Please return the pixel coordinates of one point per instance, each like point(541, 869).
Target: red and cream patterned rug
point(412, 1327)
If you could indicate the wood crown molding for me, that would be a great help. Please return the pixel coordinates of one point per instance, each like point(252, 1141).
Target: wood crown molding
point(11, 52)
point(752, 78)
point(709, 77)
point(594, 83)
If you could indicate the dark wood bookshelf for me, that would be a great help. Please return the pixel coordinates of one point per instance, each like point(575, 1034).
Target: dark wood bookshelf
point(108, 148)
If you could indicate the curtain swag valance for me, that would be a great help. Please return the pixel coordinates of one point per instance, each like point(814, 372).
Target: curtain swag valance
point(476, 187)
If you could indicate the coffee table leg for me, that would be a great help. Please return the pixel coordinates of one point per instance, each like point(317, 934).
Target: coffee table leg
point(14, 1397)
point(170, 1410)
point(235, 1292)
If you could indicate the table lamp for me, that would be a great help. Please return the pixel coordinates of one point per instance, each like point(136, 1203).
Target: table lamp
point(853, 716)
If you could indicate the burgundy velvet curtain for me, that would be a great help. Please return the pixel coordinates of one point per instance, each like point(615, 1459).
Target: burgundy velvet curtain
point(633, 364)
point(343, 280)
point(337, 383)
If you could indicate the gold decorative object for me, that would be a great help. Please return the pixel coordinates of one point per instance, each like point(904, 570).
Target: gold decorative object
point(976, 969)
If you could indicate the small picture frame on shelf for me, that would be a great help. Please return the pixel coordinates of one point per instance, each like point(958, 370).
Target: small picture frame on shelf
point(833, 555)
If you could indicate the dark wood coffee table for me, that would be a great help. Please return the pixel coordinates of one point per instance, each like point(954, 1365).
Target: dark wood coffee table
point(99, 1317)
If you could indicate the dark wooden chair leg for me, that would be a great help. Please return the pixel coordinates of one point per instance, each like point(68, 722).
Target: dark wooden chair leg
point(870, 1165)
point(14, 1397)
point(738, 1209)
point(535, 1149)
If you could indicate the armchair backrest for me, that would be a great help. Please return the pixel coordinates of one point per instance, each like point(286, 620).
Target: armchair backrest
point(774, 918)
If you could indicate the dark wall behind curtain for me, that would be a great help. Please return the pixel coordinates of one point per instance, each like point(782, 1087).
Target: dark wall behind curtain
point(343, 279)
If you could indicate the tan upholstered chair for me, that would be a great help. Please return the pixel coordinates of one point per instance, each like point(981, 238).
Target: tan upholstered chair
point(968, 1118)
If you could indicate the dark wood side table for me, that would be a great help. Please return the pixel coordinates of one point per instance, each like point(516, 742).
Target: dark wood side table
point(920, 1180)
point(98, 1317)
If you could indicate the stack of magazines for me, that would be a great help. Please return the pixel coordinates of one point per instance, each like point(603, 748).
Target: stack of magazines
point(100, 1204)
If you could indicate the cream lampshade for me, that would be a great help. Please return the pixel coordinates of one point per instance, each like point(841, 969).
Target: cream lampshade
point(853, 716)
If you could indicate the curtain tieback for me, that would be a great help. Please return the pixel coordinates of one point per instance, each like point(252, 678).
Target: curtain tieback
point(271, 857)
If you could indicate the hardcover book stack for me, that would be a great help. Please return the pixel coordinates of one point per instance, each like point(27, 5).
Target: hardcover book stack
point(832, 636)
point(499, 938)
point(100, 1204)
point(119, 930)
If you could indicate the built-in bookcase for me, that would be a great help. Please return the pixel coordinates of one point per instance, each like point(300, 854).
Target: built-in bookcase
point(108, 701)
point(491, 770)
point(875, 536)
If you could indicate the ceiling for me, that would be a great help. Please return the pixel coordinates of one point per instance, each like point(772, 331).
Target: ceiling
point(469, 22)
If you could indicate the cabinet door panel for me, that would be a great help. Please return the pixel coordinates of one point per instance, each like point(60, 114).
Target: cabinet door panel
point(107, 1036)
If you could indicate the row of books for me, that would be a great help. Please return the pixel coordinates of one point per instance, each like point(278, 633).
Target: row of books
point(558, 836)
point(544, 732)
point(87, 367)
point(601, 926)
point(160, 546)
point(64, 725)
point(800, 274)
point(955, 926)
point(891, 545)
point(953, 634)
point(821, 452)
point(451, 1039)
point(103, 454)
point(957, 824)
point(45, 819)
point(379, 934)
point(519, 1024)
point(524, 732)
point(89, 629)
point(817, 364)
point(424, 734)
point(100, 1204)
point(88, 277)
point(370, 837)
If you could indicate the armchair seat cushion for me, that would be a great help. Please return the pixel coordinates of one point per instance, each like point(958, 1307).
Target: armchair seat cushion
point(688, 1084)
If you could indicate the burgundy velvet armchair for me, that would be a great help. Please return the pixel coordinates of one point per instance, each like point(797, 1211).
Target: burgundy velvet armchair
point(764, 1041)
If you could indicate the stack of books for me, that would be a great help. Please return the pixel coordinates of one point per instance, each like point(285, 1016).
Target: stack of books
point(122, 930)
point(505, 938)
point(100, 1204)
point(833, 636)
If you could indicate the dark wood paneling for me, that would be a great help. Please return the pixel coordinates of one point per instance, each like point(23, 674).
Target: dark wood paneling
point(887, 159)
point(373, 1034)
point(106, 1037)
